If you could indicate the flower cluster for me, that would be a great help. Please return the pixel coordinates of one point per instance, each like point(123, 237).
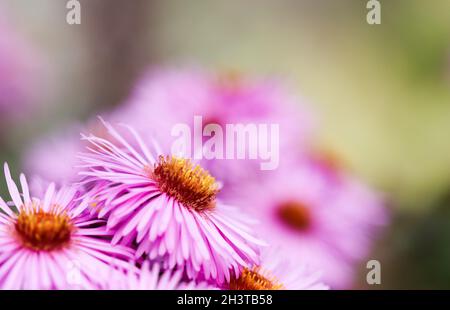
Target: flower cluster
point(126, 212)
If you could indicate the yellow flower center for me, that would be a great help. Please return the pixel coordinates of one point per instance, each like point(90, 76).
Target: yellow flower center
point(252, 279)
point(189, 184)
point(43, 231)
point(230, 80)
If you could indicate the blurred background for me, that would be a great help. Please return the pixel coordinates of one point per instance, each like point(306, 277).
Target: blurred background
point(382, 92)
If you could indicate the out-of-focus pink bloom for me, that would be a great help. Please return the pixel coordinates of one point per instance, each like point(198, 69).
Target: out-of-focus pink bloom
point(277, 272)
point(151, 278)
point(318, 216)
point(18, 72)
point(52, 243)
point(168, 206)
point(55, 157)
point(165, 98)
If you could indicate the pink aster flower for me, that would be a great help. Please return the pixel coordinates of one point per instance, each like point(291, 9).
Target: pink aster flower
point(168, 206)
point(317, 216)
point(52, 243)
point(277, 272)
point(165, 98)
point(151, 278)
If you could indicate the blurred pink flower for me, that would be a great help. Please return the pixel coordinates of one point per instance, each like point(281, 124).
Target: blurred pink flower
point(318, 216)
point(55, 157)
point(19, 66)
point(151, 278)
point(51, 242)
point(166, 97)
point(168, 206)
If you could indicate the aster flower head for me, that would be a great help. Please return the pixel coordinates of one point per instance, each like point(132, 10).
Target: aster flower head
point(277, 272)
point(52, 243)
point(167, 205)
point(151, 277)
point(318, 217)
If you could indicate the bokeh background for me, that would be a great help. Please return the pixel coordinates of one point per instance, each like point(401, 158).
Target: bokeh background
point(382, 93)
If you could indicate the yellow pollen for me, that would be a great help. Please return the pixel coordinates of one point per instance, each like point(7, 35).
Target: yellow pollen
point(252, 279)
point(330, 159)
point(43, 231)
point(295, 215)
point(189, 184)
point(230, 79)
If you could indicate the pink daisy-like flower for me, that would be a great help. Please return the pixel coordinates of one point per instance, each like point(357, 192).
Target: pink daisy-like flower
point(318, 217)
point(168, 206)
point(277, 272)
point(151, 278)
point(52, 243)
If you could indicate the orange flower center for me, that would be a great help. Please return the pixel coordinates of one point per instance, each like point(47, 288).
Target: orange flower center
point(295, 215)
point(43, 231)
point(189, 184)
point(252, 279)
